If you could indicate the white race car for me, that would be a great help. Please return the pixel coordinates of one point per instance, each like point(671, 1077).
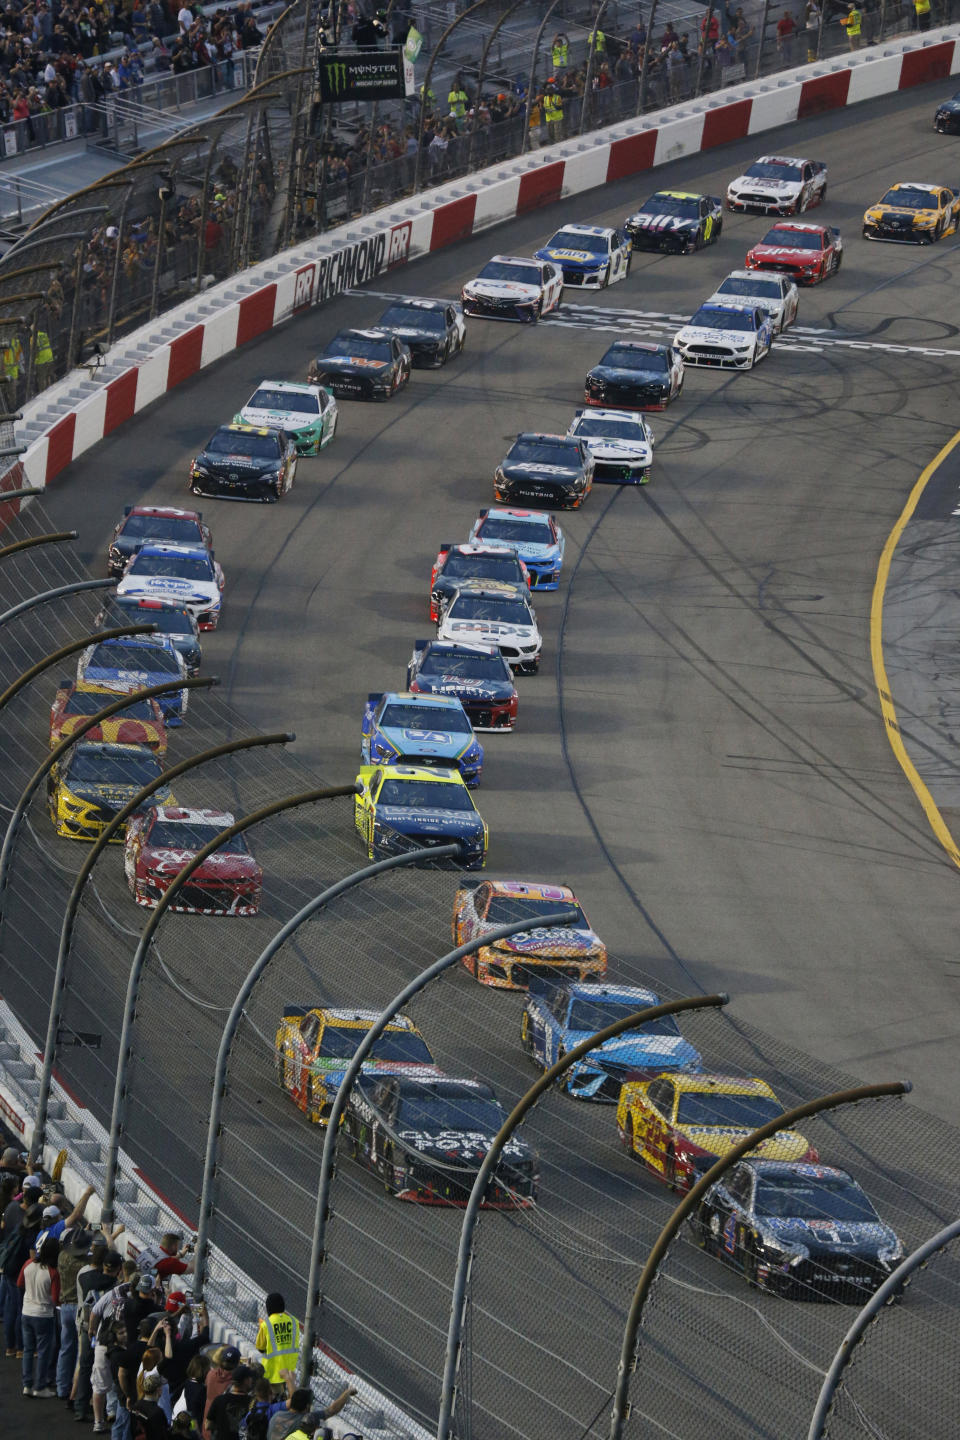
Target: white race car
point(777, 294)
point(510, 287)
point(306, 413)
point(779, 185)
point(731, 337)
point(489, 612)
point(188, 576)
point(590, 256)
point(620, 441)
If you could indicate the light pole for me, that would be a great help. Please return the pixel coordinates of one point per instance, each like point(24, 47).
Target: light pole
point(73, 589)
point(58, 537)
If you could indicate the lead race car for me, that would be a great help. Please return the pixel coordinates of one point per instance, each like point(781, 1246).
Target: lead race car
point(402, 727)
point(590, 257)
point(307, 414)
point(779, 185)
point(513, 287)
point(676, 220)
point(729, 337)
point(164, 838)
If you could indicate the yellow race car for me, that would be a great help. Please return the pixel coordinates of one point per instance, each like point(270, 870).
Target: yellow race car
point(401, 807)
point(913, 214)
point(94, 780)
point(680, 1125)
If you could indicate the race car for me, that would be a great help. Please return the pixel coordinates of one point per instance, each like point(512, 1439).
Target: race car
point(405, 728)
point(362, 365)
point(477, 675)
point(172, 620)
point(676, 220)
point(913, 213)
point(621, 443)
point(635, 375)
point(486, 612)
point(801, 1231)
point(136, 663)
point(946, 120)
point(164, 838)
point(559, 1017)
point(680, 1125)
point(140, 724)
point(432, 330)
point(154, 523)
point(590, 257)
point(807, 253)
point(191, 578)
point(314, 1048)
point(779, 185)
point(425, 1138)
point(404, 807)
point(545, 470)
point(731, 337)
point(537, 539)
point(306, 414)
point(566, 952)
point(472, 562)
point(775, 294)
point(93, 781)
point(245, 462)
point(513, 287)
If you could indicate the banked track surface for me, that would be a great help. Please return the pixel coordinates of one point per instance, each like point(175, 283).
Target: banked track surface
point(701, 757)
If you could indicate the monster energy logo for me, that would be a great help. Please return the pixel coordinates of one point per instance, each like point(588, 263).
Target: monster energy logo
point(358, 75)
point(336, 76)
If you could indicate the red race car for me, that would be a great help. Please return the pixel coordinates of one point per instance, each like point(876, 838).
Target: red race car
point(807, 253)
point(455, 563)
point(163, 838)
point(140, 724)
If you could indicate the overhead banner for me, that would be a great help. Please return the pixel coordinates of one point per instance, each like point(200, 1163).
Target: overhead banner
point(361, 75)
point(412, 45)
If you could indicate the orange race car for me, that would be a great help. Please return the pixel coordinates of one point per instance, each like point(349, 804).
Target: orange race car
point(570, 952)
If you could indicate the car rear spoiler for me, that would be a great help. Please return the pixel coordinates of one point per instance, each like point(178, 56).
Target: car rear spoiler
point(293, 1012)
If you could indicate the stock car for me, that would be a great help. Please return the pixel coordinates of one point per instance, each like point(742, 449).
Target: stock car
point(136, 663)
point(401, 807)
point(154, 523)
point(590, 257)
point(558, 1017)
point(621, 443)
point(679, 1125)
point(307, 414)
point(93, 781)
point(773, 293)
point(314, 1048)
point(676, 220)
point(486, 612)
point(513, 287)
point(164, 838)
point(432, 330)
point(141, 724)
point(191, 578)
point(730, 337)
point(635, 375)
point(362, 365)
point(913, 213)
point(537, 539)
point(404, 728)
point(545, 470)
point(477, 675)
point(455, 563)
point(172, 620)
point(563, 952)
point(807, 253)
point(245, 462)
point(802, 1231)
point(779, 185)
point(946, 121)
point(426, 1137)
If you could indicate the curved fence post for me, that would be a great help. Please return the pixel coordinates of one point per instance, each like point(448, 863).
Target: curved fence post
point(481, 76)
point(532, 79)
point(56, 538)
point(72, 589)
point(65, 652)
point(27, 491)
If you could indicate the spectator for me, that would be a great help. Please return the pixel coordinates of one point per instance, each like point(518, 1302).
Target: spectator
point(53, 1216)
point(278, 1339)
point(40, 1283)
point(812, 22)
point(921, 10)
point(92, 1281)
point(11, 1164)
point(228, 1409)
point(185, 1344)
point(16, 1252)
point(786, 39)
point(219, 1377)
point(74, 1249)
point(194, 1397)
point(852, 22)
point(149, 1409)
point(142, 1302)
point(298, 1413)
point(184, 19)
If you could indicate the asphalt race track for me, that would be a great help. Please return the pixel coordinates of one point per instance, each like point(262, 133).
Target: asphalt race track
point(701, 756)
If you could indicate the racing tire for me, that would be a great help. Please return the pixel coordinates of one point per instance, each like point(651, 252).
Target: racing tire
point(718, 231)
point(838, 261)
point(750, 1271)
point(281, 1068)
point(823, 196)
point(526, 1039)
point(561, 1081)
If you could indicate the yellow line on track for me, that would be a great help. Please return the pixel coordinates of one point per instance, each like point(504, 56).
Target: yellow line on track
point(937, 823)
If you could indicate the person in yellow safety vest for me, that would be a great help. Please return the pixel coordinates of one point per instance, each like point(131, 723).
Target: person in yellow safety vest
point(553, 114)
point(458, 100)
point(43, 362)
point(599, 42)
point(278, 1340)
point(427, 99)
point(560, 53)
point(853, 24)
point(12, 359)
point(922, 9)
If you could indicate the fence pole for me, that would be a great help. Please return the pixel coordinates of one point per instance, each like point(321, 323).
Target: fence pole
point(74, 588)
point(57, 538)
point(481, 76)
point(26, 491)
point(763, 37)
point(588, 77)
point(645, 63)
point(65, 652)
point(425, 87)
point(532, 79)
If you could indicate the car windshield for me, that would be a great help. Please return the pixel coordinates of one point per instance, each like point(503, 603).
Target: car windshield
point(577, 240)
point(794, 239)
point(664, 204)
point(545, 452)
point(361, 347)
point(339, 1042)
point(88, 702)
point(482, 567)
point(178, 567)
point(909, 199)
point(413, 317)
point(433, 1113)
point(450, 720)
point(625, 357)
point(611, 429)
point(193, 835)
point(135, 767)
point(483, 607)
point(734, 285)
point(300, 402)
point(445, 666)
point(594, 1015)
point(744, 1112)
point(771, 170)
point(146, 659)
point(522, 274)
point(250, 447)
point(710, 319)
point(505, 908)
point(168, 621)
point(793, 1196)
point(425, 795)
point(160, 527)
point(517, 532)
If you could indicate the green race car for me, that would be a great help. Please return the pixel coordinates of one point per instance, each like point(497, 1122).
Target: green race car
point(306, 413)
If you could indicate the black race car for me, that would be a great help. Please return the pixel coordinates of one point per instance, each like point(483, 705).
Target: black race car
point(947, 118)
point(245, 462)
point(362, 365)
point(143, 523)
point(477, 675)
point(676, 220)
point(805, 1231)
point(635, 375)
point(555, 470)
point(426, 1136)
point(170, 619)
point(432, 330)
point(456, 563)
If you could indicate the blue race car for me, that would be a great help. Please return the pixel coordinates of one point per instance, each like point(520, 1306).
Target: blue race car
point(537, 539)
point(477, 675)
point(590, 256)
point(557, 1017)
point(401, 727)
point(135, 662)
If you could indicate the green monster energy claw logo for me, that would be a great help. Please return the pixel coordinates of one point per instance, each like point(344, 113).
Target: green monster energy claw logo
point(336, 76)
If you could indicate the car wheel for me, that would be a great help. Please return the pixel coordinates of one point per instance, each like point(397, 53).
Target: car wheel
point(282, 1071)
point(750, 1264)
point(670, 1168)
point(526, 1036)
point(837, 261)
point(823, 195)
point(632, 1144)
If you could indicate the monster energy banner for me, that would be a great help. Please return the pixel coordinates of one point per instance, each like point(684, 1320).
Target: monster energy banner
point(362, 75)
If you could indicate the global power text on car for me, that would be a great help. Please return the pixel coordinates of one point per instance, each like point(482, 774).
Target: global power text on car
point(406, 728)
point(545, 470)
point(306, 414)
point(590, 256)
point(245, 462)
point(164, 838)
point(573, 952)
point(477, 675)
